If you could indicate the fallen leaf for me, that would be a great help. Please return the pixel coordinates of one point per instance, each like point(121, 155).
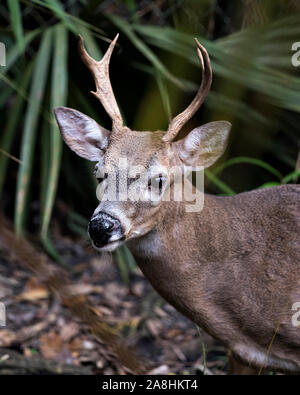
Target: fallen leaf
point(68, 331)
point(33, 283)
point(160, 312)
point(75, 345)
point(138, 288)
point(33, 295)
point(30, 331)
point(7, 338)
point(154, 327)
point(172, 333)
point(97, 311)
point(50, 345)
point(85, 289)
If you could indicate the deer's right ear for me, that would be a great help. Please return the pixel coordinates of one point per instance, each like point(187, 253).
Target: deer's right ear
point(204, 145)
point(81, 133)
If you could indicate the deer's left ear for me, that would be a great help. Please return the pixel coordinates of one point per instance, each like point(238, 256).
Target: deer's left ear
point(81, 133)
point(203, 145)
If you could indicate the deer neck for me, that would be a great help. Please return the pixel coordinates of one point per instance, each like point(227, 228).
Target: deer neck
point(179, 231)
point(176, 256)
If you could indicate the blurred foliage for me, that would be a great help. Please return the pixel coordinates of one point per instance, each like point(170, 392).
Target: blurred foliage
point(155, 73)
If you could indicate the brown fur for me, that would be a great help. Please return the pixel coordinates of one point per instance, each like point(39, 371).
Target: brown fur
point(234, 269)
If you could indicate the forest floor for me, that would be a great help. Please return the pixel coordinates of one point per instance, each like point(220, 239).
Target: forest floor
point(43, 336)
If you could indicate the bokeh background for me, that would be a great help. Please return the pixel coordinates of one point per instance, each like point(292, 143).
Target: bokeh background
point(48, 192)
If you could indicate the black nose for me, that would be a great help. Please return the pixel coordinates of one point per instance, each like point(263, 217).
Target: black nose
point(102, 227)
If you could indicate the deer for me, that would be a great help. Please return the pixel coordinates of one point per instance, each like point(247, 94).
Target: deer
point(233, 268)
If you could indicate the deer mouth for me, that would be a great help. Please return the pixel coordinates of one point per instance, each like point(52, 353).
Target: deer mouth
point(110, 246)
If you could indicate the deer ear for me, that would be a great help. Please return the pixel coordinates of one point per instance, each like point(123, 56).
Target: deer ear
point(81, 133)
point(204, 145)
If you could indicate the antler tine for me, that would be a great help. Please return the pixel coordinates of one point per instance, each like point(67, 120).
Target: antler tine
point(100, 72)
point(177, 123)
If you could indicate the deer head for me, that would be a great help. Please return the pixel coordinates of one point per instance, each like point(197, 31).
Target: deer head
point(115, 220)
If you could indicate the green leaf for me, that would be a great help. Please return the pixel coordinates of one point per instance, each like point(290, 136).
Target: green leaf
point(252, 161)
point(269, 185)
point(142, 47)
point(14, 52)
point(5, 94)
point(132, 8)
point(13, 119)
point(58, 10)
point(130, 261)
point(220, 184)
point(237, 108)
point(58, 98)
point(161, 83)
point(70, 21)
point(239, 62)
point(45, 160)
point(16, 21)
point(290, 177)
point(124, 263)
point(29, 133)
point(163, 90)
point(90, 43)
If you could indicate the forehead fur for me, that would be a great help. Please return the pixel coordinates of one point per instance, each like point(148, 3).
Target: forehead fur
point(139, 148)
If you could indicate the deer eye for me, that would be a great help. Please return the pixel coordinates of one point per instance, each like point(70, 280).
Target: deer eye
point(156, 183)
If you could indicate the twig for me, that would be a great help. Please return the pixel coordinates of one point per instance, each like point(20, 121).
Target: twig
point(10, 156)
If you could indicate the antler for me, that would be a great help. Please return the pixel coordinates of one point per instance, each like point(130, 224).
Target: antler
point(177, 123)
point(100, 72)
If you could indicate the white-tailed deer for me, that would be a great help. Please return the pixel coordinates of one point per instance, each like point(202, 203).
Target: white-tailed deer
point(234, 267)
